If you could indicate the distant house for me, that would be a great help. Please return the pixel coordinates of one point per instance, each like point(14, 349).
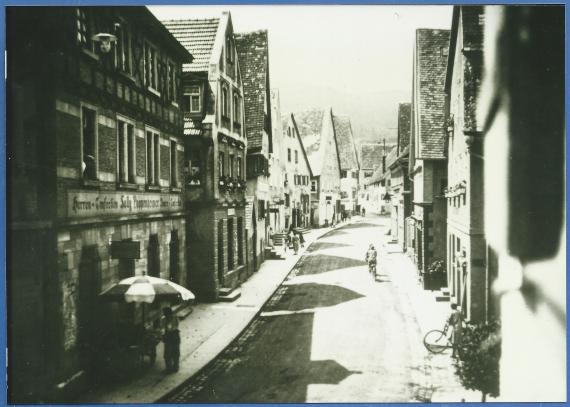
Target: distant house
point(297, 175)
point(216, 148)
point(400, 185)
point(468, 282)
point(349, 167)
point(253, 54)
point(428, 165)
point(317, 133)
point(378, 185)
point(277, 162)
point(370, 159)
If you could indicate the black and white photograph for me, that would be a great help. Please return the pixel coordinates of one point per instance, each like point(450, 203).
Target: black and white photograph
point(285, 203)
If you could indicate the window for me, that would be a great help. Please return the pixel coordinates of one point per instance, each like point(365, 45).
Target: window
point(126, 151)
point(343, 174)
point(240, 240)
point(367, 174)
point(85, 29)
point(230, 244)
point(236, 108)
point(229, 49)
point(171, 76)
point(221, 165)
point(195, 165)
point(261, 209)
point(225, 103)
point(152, 158)
point(239, 171)
point(124, 50)
point(151, 66)
point(192, 100)
point(221, 251)
point(231, 166)
point(153, 256)
point(313, 186)
point(173, 164)
point(296, 157)
point(89, 134)
point(287, 200)
point(289, 155)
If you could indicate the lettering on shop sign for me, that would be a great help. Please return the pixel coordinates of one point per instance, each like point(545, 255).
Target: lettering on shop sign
point(86, 203)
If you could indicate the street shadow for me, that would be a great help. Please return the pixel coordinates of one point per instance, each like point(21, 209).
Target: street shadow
point(305, 296)
point(322, 263)
point(324, 245)
point(360, 225)
point(269, 362)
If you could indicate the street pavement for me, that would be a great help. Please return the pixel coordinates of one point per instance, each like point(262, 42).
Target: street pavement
point(332, 333)
point(315, 327)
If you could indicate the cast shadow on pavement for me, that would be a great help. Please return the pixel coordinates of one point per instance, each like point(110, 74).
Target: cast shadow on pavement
point(269, 362)
point(324, 245)
point(307, 296)
point(322, 263)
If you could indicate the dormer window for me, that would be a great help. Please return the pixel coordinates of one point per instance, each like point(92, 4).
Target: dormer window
point(192, 99)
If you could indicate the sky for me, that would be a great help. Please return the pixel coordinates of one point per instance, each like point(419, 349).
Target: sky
point(331, 49)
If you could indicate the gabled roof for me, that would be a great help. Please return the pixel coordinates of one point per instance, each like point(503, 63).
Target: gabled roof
point(380, 173)
point(404, 117)
point(309, 126)
point(197, 36)
point(370, 155)
point(285, 125)
point(430, 68)
point(253, 55)
point(346, 146)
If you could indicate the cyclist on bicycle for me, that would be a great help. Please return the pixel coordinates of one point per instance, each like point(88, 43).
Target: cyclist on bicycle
point(371, 256)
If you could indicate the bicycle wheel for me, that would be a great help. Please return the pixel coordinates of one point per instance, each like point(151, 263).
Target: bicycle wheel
point(436, 341)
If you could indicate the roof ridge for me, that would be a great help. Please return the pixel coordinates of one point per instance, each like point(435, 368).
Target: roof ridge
point(190, 19)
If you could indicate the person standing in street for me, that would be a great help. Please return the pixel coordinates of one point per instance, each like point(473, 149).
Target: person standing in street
point(455, 321)
point(296, 243)
point(171, 340)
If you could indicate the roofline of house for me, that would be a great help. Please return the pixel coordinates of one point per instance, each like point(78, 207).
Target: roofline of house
point(301, 142)
point(452, 45)
point(180, 49)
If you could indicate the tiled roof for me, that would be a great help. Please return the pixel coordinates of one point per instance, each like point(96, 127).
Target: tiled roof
point(346, 146)
point(252, 49)
point(431, 63)
point(370, 155)
point(198, 37)
point(404, 116)
point(391, 158)
point(380, 172)
point(309, 124)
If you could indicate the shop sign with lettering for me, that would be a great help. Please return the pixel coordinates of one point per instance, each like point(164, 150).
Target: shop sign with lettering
point(81, 204)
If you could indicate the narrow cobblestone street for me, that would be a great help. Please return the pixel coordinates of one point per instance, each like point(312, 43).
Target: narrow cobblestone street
point(328, 334)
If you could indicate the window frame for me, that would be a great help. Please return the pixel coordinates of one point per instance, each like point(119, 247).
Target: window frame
point(153, 173)
point(174, 181)
point(129, 151)
point(124, 65)
point(221, 164)
point(151, 86)
point(189, 94)
point(85, 106)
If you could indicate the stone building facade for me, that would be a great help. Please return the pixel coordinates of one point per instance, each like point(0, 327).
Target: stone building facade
point(297, 176)
point(216, 146)
point(466, 246)
point(349, 166)
point(253, 54)
point(428, 165)
point(317, 133)
point(95, 183)
point(400, 185)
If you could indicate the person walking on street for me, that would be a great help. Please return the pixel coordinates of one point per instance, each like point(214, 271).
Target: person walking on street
point(171, 340)
point(371, 259)
point(296, 243)
point(455, 321)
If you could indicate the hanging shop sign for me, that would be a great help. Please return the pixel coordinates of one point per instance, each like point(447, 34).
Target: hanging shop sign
point(82, 204)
